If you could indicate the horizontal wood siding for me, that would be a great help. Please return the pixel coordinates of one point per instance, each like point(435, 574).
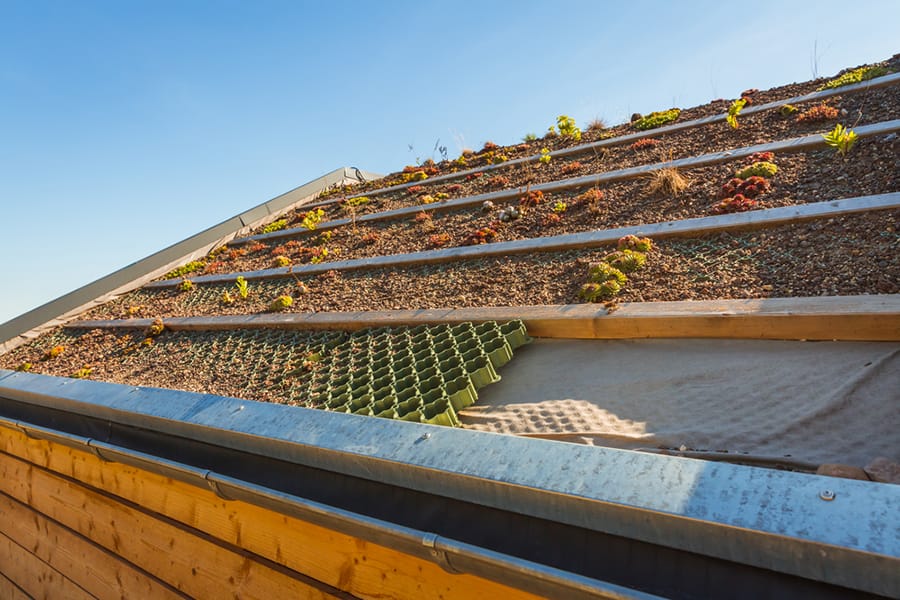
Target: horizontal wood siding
point(200, 544)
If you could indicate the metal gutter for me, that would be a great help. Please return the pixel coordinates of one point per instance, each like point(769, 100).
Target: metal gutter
point(450, 554)
point(30, 324)
point(779, 521)
point(800, 144)
point(876, 83)
point(768, 217)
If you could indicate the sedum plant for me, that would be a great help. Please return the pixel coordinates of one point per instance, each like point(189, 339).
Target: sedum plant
point(568, 128)
point(275, 226)
point(656, 119)
point(758, 169)
point(733, 111)
point(281, 303)
point(855, 76)
point(840, 138)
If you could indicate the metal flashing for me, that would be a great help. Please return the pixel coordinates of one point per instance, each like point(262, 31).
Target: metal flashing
point(765, 518)
point(19, 329)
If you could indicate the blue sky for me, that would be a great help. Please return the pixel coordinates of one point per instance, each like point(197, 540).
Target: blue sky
point(128, 126)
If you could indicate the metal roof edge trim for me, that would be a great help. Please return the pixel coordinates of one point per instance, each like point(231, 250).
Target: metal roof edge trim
point(766, 518)
point(16, 330)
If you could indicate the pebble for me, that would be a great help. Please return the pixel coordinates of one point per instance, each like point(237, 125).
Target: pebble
point(884, 470)
point(844, 471)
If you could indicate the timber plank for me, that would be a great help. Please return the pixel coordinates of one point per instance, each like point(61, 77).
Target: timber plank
point(11, 591)
point(34, 577)
point(770, 217)
point(192, 563)
point(362, 568)
point(98, 571)
point(857, 318)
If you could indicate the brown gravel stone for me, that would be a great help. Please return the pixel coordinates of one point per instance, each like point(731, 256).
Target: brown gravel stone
point(884, 470)
point(845, 471)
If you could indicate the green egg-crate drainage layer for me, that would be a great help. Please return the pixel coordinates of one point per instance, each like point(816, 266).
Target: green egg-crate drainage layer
point(423, 374)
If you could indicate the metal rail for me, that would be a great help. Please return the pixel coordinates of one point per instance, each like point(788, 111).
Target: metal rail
point(801, 144)
point(876, 83)
point(769, 217)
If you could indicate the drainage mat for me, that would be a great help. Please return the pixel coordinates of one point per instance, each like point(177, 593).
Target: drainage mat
point(423, 374)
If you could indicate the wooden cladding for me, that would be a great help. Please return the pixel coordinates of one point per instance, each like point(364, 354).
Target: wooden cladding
point(76, 526)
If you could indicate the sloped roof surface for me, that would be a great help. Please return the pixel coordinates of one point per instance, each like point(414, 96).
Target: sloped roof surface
point(766, 209)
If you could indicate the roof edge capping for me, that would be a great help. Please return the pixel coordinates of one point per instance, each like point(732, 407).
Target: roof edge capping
point(19, 330)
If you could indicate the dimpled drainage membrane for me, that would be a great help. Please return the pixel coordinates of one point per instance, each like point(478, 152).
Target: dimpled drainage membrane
point(423, 374)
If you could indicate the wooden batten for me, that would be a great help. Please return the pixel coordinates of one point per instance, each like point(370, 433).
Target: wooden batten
point(195, 539)
point(856, 318)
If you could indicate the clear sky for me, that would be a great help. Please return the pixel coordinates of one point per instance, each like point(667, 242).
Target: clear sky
point(126, 126)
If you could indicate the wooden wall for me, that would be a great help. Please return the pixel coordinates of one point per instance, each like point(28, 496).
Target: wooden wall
point(75, 526)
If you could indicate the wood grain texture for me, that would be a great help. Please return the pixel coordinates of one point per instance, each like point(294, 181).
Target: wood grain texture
point(361, 568)
point(187, 560)
point(34, 577)
point(858, 318)
point(99, 572)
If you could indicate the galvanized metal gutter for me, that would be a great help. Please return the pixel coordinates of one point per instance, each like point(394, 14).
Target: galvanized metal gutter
point(841, 532)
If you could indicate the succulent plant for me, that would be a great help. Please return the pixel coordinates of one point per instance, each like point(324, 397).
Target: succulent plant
point(602, 271)
point(281, 303)
point(82, 373)
point(597, 292)
point(54, 352)
point(760, 169)
point(275, 226)
point(820, 112)
point(656, 119)
point(191, 267)
point(627, 261)
point(487, 206)
point(156, 328)
point(787, 110)
point(281, 261)
point(568, 128)
point(633, 242)
point(545, 156)
point(855, 76)
point(737, 203)
point(186, 285)
point(644, 144)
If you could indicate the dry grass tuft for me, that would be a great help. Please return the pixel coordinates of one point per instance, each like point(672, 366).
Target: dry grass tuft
point(667, 181)
point(596, 124)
